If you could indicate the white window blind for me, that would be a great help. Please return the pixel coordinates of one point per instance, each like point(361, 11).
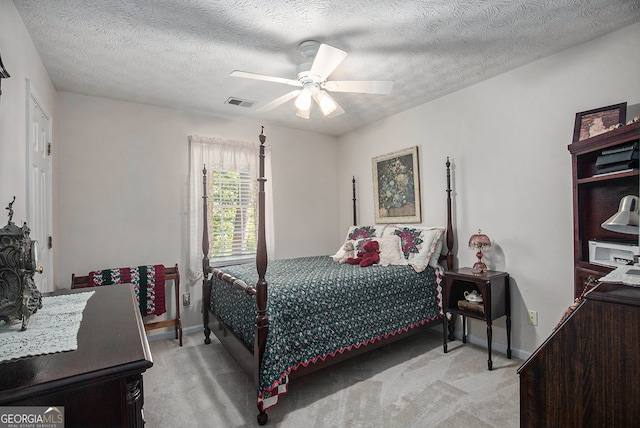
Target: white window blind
point(232, 214)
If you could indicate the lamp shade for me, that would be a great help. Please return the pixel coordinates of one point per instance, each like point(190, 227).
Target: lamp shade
point(327, 105)
point(303, 113)
point(303, 102)
point(479, 240)
point(626, 219)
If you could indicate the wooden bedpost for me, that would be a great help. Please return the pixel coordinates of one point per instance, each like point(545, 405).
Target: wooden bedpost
point(262, 322)
point(449, 242)
point(353, 191)
point(449, 221)
point(206, 282)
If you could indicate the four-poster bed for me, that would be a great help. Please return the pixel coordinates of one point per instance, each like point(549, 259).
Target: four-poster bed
point(319, 311)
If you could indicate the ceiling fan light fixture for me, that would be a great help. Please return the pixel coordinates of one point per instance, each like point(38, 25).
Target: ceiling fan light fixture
point(326, 103)
point(312, 75)
point(304, 114)
point(303, 102)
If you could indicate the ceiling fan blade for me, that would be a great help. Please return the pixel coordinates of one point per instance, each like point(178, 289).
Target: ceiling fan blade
point(327, 59)
point(280, 100)
point(381, 87)
point(256, 76)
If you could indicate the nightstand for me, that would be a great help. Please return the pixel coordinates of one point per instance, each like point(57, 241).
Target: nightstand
point(493, 286)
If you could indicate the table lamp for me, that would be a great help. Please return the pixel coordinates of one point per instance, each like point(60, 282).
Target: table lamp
point(626, 219)
point(478, 242)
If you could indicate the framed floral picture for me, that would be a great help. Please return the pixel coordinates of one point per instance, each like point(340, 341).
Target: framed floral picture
point(396, 187)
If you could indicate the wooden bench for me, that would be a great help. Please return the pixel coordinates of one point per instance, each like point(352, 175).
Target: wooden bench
point(171, 274)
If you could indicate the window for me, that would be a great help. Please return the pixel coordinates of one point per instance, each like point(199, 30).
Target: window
point(232, 215)
point(232, 193)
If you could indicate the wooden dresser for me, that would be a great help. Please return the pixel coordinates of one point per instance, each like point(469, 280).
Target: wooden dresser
point(100, 383)
point(587, 373)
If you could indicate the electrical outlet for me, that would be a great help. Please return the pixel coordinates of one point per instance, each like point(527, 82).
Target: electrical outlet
point(533, 317)
point(186, 299)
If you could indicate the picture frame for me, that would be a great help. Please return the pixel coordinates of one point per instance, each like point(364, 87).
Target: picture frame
point(597, 121)
point(396, 187)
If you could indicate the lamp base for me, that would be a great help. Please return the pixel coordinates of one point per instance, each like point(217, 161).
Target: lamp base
point(479, 267)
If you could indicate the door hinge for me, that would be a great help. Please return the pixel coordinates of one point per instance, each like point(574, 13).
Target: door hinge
point(48, 149)
point(50, 242)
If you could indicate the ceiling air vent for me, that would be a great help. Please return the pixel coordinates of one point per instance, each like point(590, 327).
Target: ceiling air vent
point(239, 102)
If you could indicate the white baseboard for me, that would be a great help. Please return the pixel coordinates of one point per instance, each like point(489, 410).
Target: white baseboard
point(495, 347)
point(475, 340)
point(170, 333)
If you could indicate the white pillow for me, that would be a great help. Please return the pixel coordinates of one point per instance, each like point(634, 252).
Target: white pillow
point(391, 251)
point(433, 261)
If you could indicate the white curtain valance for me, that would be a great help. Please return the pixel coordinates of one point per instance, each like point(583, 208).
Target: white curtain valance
point(227, 155)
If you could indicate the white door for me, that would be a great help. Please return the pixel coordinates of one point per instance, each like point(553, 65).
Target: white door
point(39, 205)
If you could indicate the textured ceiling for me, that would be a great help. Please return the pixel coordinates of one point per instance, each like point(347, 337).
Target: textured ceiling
point(179, 53)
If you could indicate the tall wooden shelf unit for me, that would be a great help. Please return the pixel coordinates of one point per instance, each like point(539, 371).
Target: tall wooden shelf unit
point(596, 198)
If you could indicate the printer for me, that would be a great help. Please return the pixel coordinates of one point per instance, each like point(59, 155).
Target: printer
point(612, 254)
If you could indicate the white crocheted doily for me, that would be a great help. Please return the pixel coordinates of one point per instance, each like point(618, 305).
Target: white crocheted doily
point(53, 328)
point(627, 275)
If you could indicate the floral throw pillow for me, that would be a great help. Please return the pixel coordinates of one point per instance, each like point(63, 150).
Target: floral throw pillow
point(361, 232)
point(411, 241)
point(360, 243)
point(356, 233)
point(418, 244)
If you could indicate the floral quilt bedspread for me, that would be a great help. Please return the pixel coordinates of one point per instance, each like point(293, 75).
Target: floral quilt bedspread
point(318, 307)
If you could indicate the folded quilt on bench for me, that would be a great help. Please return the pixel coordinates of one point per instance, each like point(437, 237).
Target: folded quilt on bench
point(148, 283)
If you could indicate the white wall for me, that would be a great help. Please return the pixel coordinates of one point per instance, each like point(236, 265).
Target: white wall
point(122, 182)
point(507, 138)
point(22, 61)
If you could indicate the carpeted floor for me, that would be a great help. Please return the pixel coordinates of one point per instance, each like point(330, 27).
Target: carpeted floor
point(410, 383)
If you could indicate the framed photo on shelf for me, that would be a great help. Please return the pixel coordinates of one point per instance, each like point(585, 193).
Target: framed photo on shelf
point(597, 121)
point(396, 187)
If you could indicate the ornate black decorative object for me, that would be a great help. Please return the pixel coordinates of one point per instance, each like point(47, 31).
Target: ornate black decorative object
point(4, 74)
point(19, 296)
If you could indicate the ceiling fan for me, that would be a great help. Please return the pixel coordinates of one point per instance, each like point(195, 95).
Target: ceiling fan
point(312, 75)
